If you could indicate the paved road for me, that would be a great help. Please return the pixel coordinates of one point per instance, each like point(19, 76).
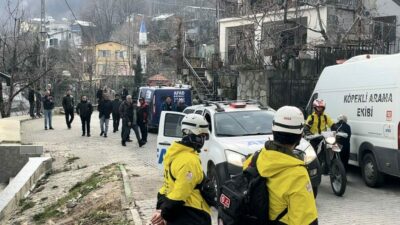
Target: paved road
point(359, 205)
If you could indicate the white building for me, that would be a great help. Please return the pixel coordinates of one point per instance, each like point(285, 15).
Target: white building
point(337, 17)
point(59, 33)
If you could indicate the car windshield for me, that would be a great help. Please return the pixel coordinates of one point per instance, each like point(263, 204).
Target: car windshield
point(243, 123)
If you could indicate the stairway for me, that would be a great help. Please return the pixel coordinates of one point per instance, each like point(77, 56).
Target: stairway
point(197, 78)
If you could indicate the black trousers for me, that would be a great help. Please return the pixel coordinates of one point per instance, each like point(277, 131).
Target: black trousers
point(69, 117)
point(85, 124)
point(116, 118)
point(143, 131)
point(126, 131)
point(38, 108)
point(32, 109)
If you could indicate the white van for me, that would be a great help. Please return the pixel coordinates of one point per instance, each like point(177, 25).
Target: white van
point(366, 89)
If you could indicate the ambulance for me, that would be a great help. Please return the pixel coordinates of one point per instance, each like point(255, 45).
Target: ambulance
point(366, 89)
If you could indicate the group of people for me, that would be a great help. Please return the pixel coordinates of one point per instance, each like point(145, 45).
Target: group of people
point(133, 116)
point(168, 105)
point(290, 194)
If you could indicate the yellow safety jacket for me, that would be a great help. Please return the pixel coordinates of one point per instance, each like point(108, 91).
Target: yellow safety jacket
point(317, 124)
point(289, 186)
point(186, 172)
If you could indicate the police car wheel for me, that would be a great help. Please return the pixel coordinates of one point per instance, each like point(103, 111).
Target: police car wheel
point(370, 172)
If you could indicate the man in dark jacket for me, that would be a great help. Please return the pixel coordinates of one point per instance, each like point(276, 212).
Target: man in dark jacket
point(84, 109)
point(105, 109)
point(115, 112)
point(31, 99)
point(68, 105)
point(129, 117)
point(38, 101)
point(342, 126)
point(134, 125)
point(142, 118)
point(167, 105)
point(181, 105)
point(48, 106)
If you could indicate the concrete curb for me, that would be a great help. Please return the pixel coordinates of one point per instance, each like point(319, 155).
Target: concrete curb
point(129, 197)
point(22, 184)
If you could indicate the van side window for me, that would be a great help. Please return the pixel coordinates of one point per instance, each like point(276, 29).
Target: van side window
point(309, 108)
point(208, 118)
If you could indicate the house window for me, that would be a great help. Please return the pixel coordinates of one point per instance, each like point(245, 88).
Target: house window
point(120, 54)
point(385, 28)
point(53, 42)
point(104, 53)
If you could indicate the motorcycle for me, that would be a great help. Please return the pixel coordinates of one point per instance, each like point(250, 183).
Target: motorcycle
point(328, 153)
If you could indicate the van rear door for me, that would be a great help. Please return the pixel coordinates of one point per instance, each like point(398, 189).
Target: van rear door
point(169, 131)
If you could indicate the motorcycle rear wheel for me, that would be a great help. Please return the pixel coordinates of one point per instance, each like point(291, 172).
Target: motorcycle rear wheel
point(338, 177)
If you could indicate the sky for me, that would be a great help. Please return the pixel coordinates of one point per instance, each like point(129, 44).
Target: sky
point(55, 8)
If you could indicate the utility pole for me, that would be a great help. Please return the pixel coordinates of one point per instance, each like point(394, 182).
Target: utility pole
point(43, 36)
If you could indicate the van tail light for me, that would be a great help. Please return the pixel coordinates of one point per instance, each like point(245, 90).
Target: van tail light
point(398, 136)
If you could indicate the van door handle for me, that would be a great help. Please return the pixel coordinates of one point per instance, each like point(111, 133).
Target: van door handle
point(164, 143)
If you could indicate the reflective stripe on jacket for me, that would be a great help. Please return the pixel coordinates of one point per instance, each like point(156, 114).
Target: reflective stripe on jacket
point(186, 169)
point(317, 124)
point(289, 186)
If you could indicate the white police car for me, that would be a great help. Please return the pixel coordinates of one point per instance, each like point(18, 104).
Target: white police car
point(237, 129)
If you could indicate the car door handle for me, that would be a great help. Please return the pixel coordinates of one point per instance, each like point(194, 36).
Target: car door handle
point(164, 143)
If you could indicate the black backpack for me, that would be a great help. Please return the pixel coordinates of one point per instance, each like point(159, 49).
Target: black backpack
point(244, 200)
point(206, 188)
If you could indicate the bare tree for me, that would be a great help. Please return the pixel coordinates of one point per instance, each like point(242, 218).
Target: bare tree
point(19, 57)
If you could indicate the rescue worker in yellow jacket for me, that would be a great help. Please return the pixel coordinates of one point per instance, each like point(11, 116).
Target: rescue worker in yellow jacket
point(288, 182)
point(179, 201)
point(318, 122)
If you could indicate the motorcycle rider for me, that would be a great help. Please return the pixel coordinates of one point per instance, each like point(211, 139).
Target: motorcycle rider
point(178, 201)
point(288, 182)
point(318, 121)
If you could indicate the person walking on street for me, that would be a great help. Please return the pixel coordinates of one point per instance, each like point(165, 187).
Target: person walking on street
point(167, 105)
point(38, 101)
point(68, 106)
point(105, 110)
point(142, 118)
point(85, 109)
point(179, 202)
point(48, 106)
point(115, 113)
point(31, 99)
point(134, 124)
point(291, 198)
point(127, 114)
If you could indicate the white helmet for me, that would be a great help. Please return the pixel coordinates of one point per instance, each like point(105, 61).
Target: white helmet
point(194, 123)
point(288, 119)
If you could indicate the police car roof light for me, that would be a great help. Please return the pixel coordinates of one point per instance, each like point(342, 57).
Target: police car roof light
point(238, 105)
